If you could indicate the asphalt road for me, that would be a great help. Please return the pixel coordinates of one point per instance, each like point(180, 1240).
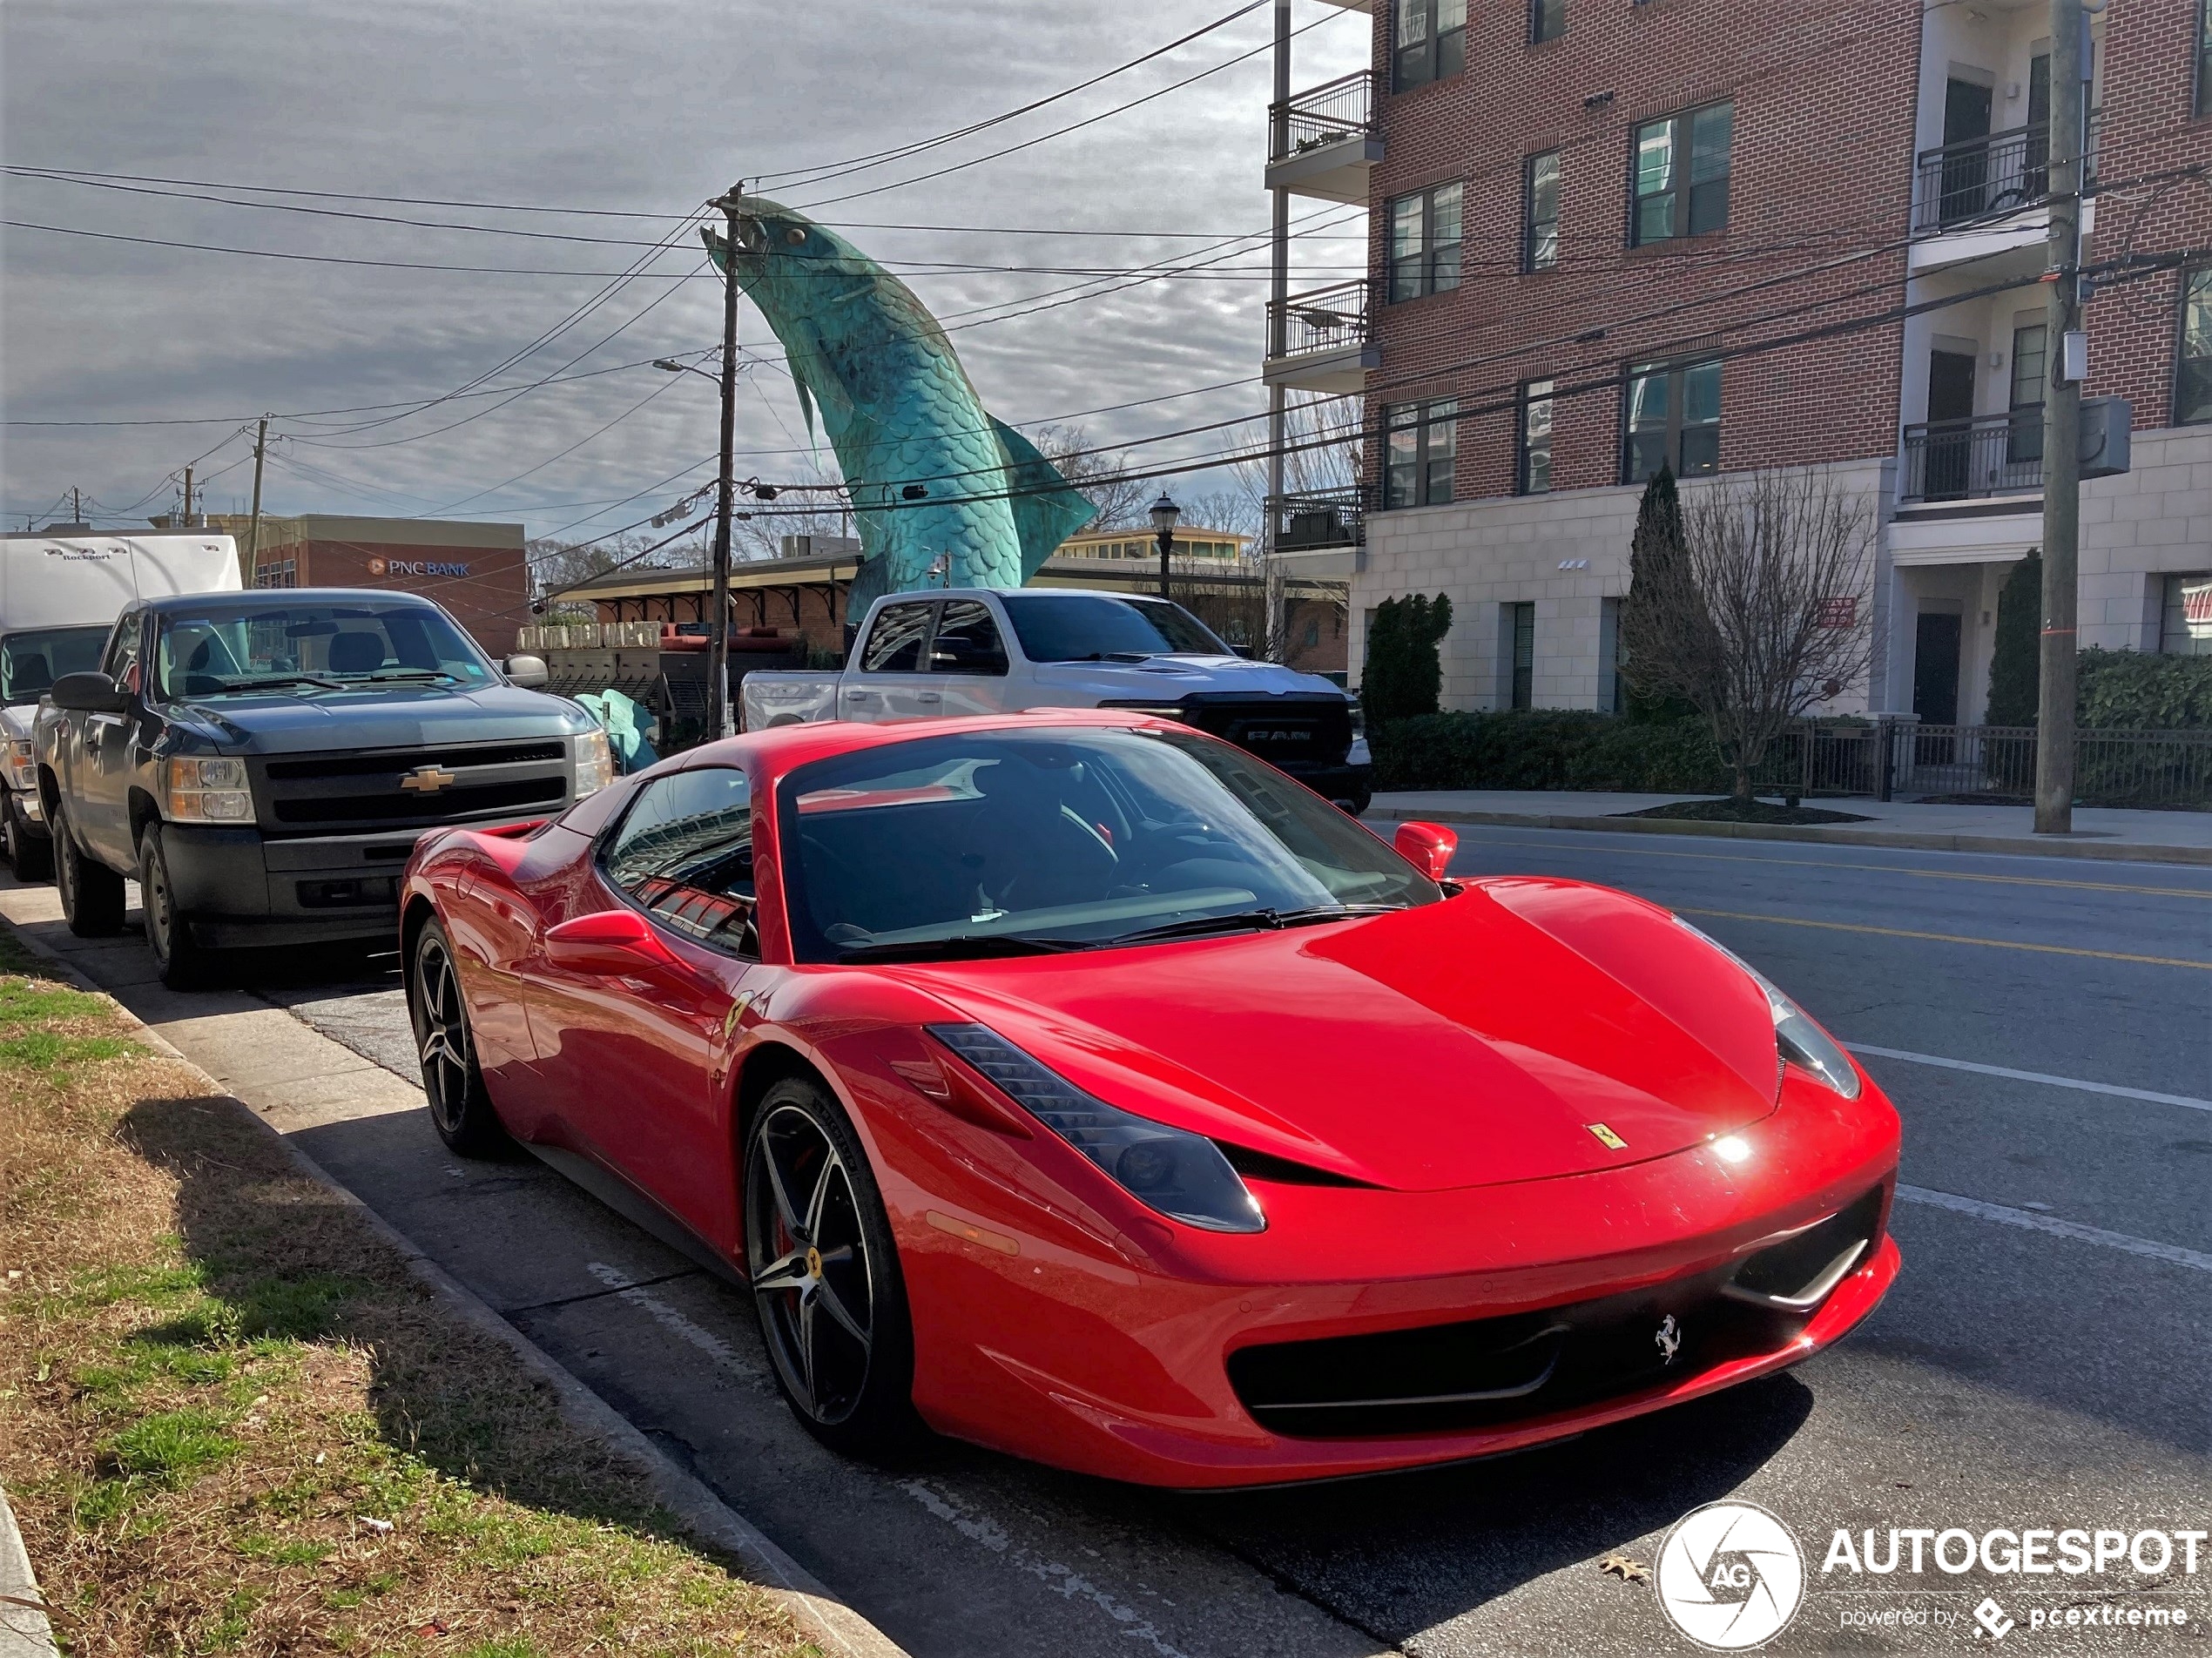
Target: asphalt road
point(2046, 1360)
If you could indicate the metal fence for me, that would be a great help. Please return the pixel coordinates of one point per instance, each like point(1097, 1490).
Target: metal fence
point(1338, 109)
point(1990, 176)
point(1904, 759)
point(1328, 319)
point(1313, 519)
point(1963, 460)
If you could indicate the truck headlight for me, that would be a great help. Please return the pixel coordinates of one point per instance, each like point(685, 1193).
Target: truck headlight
point(594, 764)
point(1802, 1042)
point(1180, 1173)
point(208, 790)
point(23, 765)
point(1359, 719)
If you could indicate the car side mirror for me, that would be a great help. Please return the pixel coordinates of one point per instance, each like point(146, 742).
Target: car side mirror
point(1428, 847)
point(89, 692)
point(612, 942)
point(529, 672)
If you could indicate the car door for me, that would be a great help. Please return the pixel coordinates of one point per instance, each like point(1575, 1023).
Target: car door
point(968, 661)
point(891, 678)
point(100, 790)
point(633, 1056)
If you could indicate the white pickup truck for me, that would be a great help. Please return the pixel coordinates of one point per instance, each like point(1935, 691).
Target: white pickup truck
point(983, 650)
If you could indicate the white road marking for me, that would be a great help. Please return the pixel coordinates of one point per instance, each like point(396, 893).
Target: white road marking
point(673, 1321)
point(2173, 1254)
point(982, 1528)
point(2048, 1081)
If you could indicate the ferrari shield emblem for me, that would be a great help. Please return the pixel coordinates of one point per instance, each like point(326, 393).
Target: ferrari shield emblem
point(1606, 1137)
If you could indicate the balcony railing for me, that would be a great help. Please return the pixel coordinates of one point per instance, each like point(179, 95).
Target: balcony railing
point(1315, 520)
point(1989, 177)
point(1322, 115)
point(1331, 319)
point(1990, 454)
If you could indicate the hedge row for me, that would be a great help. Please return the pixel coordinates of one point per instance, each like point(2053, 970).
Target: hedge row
point(2134, 691)
point(1549, 749)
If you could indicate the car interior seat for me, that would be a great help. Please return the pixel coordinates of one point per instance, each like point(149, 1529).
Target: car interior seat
point(356, 650)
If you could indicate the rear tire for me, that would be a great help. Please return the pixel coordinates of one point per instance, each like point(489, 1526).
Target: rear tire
point(460, 1107)
point(183, 963)
point(824, 1272)
point(31, 856)
point(91, 892)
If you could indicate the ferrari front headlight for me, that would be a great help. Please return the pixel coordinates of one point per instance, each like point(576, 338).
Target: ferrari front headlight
point(594, 764)
point(207, 791)
point(1802, 1042)
point(1181, 1174)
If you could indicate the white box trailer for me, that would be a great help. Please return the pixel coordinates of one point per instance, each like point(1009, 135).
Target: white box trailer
point(59, 596)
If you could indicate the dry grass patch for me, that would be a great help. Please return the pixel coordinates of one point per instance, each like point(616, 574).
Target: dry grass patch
point(230, 1421)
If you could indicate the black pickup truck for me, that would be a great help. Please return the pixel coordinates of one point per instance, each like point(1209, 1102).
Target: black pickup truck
point(261, 763)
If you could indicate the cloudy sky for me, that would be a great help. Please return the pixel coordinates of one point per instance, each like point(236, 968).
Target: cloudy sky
point(646, 108)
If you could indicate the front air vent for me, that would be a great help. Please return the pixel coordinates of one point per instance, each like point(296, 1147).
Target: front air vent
point(1796, 1273)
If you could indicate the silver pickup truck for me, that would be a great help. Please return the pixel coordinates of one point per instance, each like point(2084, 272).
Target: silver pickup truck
point(982, 650)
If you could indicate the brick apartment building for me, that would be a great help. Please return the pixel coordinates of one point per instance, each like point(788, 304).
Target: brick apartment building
point(478, 571)
point(1600, 234)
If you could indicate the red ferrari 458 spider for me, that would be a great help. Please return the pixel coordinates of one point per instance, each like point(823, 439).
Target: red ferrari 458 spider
point(1079, 1085)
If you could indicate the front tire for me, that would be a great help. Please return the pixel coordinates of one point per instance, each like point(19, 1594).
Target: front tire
point(182, 963)
point(824, 1272)
point(31, 856)
point(91, 892)
point(460, 1107)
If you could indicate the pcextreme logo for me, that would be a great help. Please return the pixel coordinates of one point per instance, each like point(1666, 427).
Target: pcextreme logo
point(1731, 1576)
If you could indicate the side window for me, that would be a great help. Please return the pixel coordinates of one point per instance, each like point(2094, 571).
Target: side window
point(121, 663)
point(894, 644)
point(968, 640)
point(684, 851)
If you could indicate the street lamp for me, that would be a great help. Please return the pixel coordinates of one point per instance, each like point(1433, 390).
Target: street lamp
point(668, 364)
point(1165, 516)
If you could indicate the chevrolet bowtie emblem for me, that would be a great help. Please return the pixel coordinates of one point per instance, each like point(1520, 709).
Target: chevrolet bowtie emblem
point(426, 779)
point(1606, 1137)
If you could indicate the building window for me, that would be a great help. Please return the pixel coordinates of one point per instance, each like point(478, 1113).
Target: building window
point(1547, 20)
point(1425, 242)
point(1540, 211)
point(1420, 442)
point(2185, 626)
point(2193, 378)
point(278, 572)
point(1681, 175)
point(2024, 433)
point(1521, 654)
point(2204, 58)
point(1430, 41)
point(1535, 475)
point(1673, 420)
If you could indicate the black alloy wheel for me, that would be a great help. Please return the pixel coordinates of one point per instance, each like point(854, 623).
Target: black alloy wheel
point(825, 1273)
point(91, 892)
point(460, 1107)
point(182, 963)
point(30, 856)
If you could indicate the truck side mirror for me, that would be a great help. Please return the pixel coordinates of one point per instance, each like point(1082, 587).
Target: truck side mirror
point(89, 692)
point(529, 672)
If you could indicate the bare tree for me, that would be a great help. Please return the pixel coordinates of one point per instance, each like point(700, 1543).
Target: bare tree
point(1105, 480)
point(817, 509)
point(557, 566)
point(1761, 613)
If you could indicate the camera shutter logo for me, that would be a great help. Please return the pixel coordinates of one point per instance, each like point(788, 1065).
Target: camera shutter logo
point(1731, 1576)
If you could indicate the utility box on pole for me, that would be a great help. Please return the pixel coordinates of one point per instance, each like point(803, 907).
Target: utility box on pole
point(2108, 444)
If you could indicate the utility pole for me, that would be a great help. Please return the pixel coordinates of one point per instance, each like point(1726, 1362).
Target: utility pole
point(75, 506)
point(1271, 641)
point(188, 524)
point(718, 648)
point(2062, 426)
point(253, 524)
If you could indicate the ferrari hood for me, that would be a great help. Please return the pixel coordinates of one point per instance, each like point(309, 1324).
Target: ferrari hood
point(1516, 1032)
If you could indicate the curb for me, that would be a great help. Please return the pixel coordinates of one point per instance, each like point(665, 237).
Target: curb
point(24, 1632)
point(701, 1513)
point(1833, 835)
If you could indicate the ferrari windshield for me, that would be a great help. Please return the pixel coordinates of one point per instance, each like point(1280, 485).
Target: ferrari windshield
point(242, 647)
point(32, 661)
point(1096, 627)
point(997, 842)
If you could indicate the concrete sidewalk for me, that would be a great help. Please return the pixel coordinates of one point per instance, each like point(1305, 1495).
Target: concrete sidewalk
point(2133, 836)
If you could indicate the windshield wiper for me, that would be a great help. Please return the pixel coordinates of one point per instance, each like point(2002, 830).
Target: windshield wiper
point(1267, 920)
point(408, 673)
point(265, 681)
point(961, 946)
point(1115, 656)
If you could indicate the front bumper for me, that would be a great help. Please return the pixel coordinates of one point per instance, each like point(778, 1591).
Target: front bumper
point(31, 812)
point(1122, 1367)
point(236, 889)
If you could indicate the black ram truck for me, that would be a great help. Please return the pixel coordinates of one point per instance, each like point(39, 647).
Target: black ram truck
point(261, 763)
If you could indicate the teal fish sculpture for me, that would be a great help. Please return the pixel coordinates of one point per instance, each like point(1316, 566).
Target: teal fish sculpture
point(944, 494)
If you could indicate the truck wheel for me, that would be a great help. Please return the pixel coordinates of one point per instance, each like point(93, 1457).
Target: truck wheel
point(91, 892)
point(183, 963)
point(460, 1107)
point(31, 856)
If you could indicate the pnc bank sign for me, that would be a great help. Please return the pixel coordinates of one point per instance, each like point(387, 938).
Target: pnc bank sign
point(403, 567)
